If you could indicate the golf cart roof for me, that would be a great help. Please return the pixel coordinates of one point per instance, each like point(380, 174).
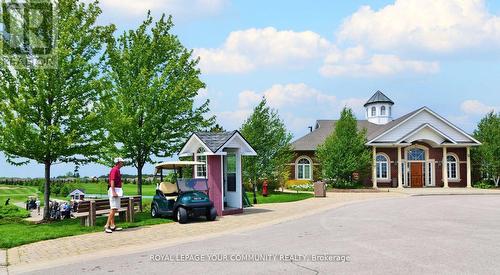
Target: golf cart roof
point(176, 164)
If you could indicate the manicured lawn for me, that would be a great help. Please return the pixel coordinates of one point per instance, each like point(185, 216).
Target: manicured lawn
point(102, 188)
point(16, 233)
point(17, 193)
point(277, 197)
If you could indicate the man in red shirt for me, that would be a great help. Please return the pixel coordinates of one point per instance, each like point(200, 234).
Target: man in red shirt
point(115, 192)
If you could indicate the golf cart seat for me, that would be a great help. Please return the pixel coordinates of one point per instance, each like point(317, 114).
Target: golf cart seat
point(169, 190)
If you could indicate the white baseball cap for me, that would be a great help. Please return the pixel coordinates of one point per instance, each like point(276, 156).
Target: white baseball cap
point(119, 160)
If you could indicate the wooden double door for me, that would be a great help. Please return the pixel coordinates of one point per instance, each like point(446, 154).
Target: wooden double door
point(417, 174)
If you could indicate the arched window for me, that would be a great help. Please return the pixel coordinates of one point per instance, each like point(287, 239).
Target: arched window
point(416, 154)
point(382, 166)
point(374, 111)
point(452, 166)
point(304, 169)
point(201, 169)
point(382, 111)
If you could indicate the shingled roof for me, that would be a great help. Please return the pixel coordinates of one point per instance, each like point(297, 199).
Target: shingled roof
point(214, 140)
point(323, 128)
point(379, 97)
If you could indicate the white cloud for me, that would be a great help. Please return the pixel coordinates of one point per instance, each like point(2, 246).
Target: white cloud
point(245, 50)
point(476, 107)
point(288, 95)
point(443, 25)
point(180, 9)
point(356, 62)
point(298, 104)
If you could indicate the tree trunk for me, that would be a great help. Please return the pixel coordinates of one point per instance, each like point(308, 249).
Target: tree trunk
point(139, 184)
point(46, 193)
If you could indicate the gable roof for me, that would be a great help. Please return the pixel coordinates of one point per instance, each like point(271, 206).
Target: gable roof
point(385, 127)
point(214, 143)
point(400, 121)
point(323, 128)
point(214, 140)
point(379, 97)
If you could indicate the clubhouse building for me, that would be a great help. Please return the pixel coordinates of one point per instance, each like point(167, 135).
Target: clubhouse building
point(419, 149)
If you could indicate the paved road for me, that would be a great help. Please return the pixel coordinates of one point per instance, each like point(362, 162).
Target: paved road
point(415, 235)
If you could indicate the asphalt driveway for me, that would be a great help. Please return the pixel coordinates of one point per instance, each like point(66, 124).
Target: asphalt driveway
point(416, 235)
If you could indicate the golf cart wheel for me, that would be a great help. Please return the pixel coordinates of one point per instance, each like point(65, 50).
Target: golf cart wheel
point(212, 214)
point(154, 211)
point(182, 215)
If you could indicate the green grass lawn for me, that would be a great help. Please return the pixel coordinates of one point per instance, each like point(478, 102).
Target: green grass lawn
point(277, 197)
point(128, 189)
point(17, 193)
point(16, 233)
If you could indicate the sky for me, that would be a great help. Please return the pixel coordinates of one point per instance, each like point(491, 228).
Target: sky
point(312, 58)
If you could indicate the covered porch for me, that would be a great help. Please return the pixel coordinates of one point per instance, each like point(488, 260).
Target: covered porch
point(420, 164)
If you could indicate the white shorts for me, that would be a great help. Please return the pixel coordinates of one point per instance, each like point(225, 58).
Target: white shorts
point(114, 202)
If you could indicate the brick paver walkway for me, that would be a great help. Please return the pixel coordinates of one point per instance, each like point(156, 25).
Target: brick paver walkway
point(72, 249)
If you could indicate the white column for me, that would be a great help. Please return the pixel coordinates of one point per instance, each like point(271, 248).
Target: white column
point(374, 167)
point(400, 175)
point(445, 167)
point(469, 174)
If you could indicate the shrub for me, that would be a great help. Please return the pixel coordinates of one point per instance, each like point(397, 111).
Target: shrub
point(290, 183)
point(303, 187)
point(483, 185)
point(346, 185)
point(12, 211)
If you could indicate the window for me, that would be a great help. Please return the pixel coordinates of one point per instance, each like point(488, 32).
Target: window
point(304, 169)
point(374, 111)
point(452, 165)
point(201, 169)
point(416, 154)
point(390, 111)
point(382, 111)
point(382, 167)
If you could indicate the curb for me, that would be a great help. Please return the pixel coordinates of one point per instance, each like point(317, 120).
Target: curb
point(3, 258)
point(454, 194)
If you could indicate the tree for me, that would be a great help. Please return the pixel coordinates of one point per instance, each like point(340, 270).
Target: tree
point(151, 105)
point(488, 154)
point(344, 151)
point(50, 114)
point(267, 134)
point(216, 128)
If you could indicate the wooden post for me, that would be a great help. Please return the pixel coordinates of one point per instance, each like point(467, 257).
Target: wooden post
point(132, 209)
point(92, 214)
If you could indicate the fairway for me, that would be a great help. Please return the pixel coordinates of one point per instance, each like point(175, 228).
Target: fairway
point(101, 188)
point(17, 193)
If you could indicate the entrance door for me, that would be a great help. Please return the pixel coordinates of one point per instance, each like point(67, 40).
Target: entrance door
point(417, 174)
point(232, 182)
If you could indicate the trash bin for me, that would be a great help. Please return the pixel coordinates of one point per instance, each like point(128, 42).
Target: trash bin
point(319, 189)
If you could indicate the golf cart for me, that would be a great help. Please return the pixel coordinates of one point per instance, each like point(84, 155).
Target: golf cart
point(183, 199)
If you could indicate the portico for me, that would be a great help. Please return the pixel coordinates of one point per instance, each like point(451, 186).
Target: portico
point(424, 156)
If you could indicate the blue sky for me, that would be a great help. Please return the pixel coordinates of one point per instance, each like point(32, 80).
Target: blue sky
point(311, 58)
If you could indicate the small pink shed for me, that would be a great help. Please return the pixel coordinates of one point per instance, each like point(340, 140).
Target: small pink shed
point(221, 153)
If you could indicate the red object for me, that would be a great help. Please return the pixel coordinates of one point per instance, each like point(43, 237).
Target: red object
point(264, 188)
point(115, 176)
